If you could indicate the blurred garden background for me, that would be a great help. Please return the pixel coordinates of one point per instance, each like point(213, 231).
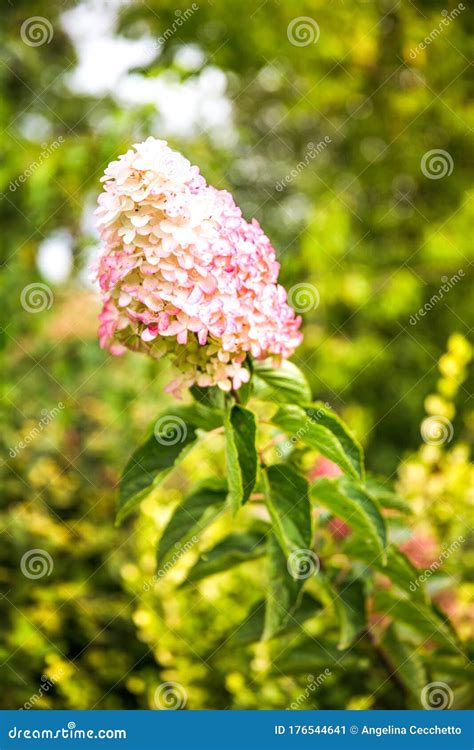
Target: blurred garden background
point(344, 128)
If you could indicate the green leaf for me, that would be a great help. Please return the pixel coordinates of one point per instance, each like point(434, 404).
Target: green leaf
point(231, 551)
point(173, 433)
point(290, 510)
point(417, 617)
point(349, 600)
point(200, 416)
point(310, 656)
point(251, 629)
point(327, 418)
point(246, 389)
point(450, 667)
point(404, 662)
point(386, 497)
point(284, 385)
point(398, 568)
point(283, 592)
point(348, 500)
point(240, 431)
point(191, 517)
point(212, 397)
point(326, 434)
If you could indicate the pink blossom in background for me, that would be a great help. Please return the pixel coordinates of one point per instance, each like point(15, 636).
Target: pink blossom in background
point(323, 467)
point(339, 529)
point(183, 273)
point(421, 549)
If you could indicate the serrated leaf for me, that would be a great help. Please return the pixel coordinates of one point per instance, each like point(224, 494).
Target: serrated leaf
point(251, 629)
point(233, 550)
point(444, 617)
point(211, 397)
point(287, 500)
point(406, 664)
point(311, 656)
point(352, 448)
point(349, 599)
point(191, 517)
point(283, 592)
point(386, 497)
point(172, 434)
point(246, 389)
point(240, 431)
point(284, 385)
point(348, 500)
point(450, 666)
point(200, 415)
point(321, 433)
point(417, 617)
point(398, 568)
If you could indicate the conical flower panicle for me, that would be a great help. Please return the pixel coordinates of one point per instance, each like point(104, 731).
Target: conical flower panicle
point(183, 273)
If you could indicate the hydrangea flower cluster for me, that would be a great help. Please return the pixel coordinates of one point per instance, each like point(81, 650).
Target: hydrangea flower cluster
point(183, 273)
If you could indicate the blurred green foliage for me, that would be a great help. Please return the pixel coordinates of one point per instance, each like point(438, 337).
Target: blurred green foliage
point(361, 222)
